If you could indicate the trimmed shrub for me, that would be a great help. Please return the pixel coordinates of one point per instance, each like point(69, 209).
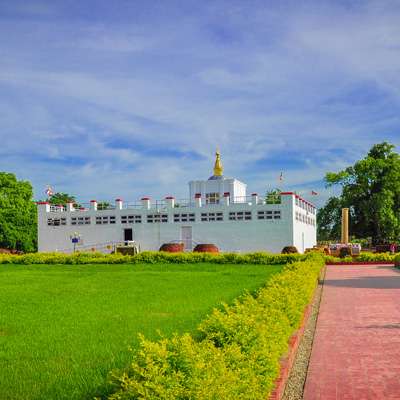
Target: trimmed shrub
point(152, 257)
point(289, 250)
point(364, 257)
point(235, 353)
point(397, 260)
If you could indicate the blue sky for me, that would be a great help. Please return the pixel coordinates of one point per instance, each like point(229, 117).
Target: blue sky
point(108, 99)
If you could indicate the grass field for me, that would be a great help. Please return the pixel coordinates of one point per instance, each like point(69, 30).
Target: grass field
point(63, 328)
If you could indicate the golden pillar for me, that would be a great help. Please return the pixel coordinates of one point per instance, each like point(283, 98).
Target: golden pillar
point(345, 225)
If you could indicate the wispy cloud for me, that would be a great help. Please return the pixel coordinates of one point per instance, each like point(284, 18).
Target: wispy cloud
point(107, 101)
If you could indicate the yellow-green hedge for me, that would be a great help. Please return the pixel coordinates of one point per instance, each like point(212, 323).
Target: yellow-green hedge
point(235, 353)
point(374, 257)
point(150, 257)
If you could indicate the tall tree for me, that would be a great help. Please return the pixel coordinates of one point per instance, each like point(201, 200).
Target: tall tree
point(60, 198)
point(18, 221)
point(273, 196)
point(371, 189)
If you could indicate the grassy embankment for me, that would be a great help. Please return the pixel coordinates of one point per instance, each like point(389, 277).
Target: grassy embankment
point(63, 328)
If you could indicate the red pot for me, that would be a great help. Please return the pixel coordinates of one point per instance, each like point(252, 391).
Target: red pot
point(206, 248)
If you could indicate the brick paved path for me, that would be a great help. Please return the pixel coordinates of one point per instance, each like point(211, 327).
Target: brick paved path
point(356, 349)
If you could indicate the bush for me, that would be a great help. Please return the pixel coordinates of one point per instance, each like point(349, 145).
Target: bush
point(289, 250)
point(397, 260)
point(152, 257)
point(363, 257)
point(237, 348)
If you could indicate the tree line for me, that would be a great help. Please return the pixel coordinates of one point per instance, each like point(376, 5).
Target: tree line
point(370, 189)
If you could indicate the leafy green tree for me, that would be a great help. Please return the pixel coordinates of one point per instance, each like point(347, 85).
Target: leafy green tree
point(371, 189)
point(273, 196)
point(62, 199)
point(18, 215)
point(329, 220)
point(103, 205)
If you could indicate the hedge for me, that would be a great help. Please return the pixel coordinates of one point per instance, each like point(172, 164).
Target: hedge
point(234, 354)
point(150, 257)
point(370, 257)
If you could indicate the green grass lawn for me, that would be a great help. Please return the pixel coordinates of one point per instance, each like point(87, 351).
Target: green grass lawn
point(63, 328)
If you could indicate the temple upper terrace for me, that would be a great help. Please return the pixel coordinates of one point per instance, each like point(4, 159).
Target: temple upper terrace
point(169, 202)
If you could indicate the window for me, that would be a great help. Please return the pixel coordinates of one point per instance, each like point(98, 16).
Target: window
point(240, 215)
point(106, 219)
point(131, 219)
point(212, 198)
point(184, 217)
point(155, 218)
point(217, 216)
point(80, 221)
point(56, 221)
point(267, 214)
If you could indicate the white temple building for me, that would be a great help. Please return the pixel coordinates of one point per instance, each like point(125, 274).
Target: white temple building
point(218, 211)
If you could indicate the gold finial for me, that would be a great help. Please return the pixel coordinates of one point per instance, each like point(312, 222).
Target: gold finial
point(218, 168)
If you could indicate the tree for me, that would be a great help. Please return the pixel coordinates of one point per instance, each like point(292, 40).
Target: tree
point(18, 215)
point(62, 199)
point(273, 196)
point(103, 205)
point(329, 220)
point(371, 190)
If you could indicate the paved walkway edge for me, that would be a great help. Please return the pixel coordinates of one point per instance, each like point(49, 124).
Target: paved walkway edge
point(288, 361)
point(356, 348)
point(388, 263)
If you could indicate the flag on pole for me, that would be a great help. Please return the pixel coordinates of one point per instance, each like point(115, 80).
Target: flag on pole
point(49, 191)
point(314, 193)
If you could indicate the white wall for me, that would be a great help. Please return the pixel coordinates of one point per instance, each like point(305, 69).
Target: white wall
point(241, 236)
point(221, 186)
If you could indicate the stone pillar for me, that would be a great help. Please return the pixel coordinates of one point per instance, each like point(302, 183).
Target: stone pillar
point(345, 225)
point(93, 205)
point(43, 206)
point(254, 199)
point(146, 203)
point(197, 199)
point(170, 200)
point(118, 204)
point(70, 206)
point(226, 198)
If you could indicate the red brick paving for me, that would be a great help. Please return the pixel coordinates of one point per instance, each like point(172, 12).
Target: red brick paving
point(356, 348)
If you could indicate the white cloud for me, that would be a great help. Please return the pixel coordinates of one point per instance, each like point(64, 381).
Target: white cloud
point(255, 81)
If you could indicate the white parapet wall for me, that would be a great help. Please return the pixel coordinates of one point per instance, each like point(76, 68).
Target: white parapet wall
point(245, 225)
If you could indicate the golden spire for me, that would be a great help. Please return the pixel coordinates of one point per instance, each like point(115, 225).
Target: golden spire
point(218, 168)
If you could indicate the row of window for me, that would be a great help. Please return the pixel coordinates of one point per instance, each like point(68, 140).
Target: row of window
point(268, 214)
point(305, 206)
point(240, 215)
point(104, 220)
point(56, 221)
point(212, 216)
point(304, 218)
point(160, 218)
